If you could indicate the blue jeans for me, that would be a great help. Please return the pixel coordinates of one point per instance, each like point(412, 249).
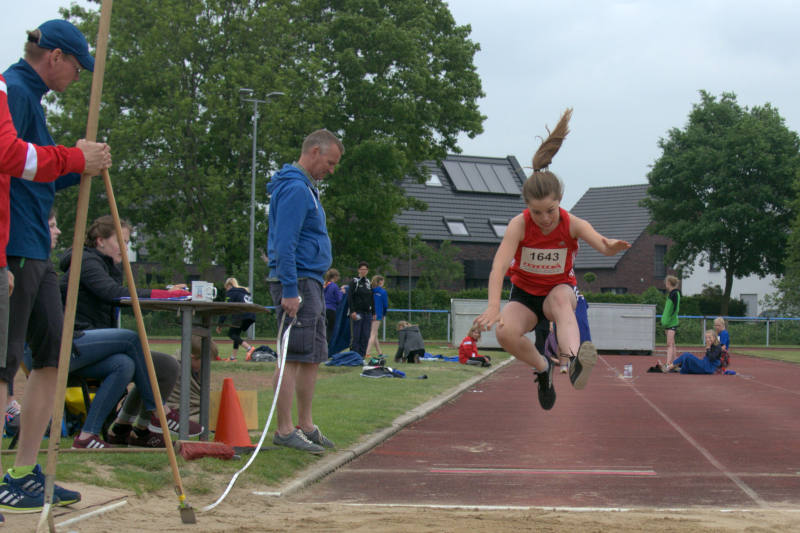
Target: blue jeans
point(691, 364)
point(115, 356)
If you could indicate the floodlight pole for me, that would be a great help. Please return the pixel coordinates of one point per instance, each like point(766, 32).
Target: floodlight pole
point(246, 95)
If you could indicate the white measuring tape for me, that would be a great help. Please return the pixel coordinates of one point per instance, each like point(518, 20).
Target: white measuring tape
point(283, 346)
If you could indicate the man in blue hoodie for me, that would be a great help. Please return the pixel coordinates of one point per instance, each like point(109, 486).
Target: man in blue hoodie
point(299, 251)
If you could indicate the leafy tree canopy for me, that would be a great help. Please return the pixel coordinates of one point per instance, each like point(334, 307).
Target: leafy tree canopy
point(393, 78)
point(723, 188)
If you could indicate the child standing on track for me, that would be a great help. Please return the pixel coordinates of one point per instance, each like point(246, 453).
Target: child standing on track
point(669, 318)
point(539, 246)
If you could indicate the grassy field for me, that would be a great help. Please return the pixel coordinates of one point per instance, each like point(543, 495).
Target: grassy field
point(347, 407)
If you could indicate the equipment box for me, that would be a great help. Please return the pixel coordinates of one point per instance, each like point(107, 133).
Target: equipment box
point(623, 327)
point(464, 312)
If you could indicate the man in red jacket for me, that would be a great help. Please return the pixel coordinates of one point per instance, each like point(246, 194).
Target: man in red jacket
point(36, 163)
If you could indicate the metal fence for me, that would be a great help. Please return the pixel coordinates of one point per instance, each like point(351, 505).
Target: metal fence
point(752, 331)
point(437, 324)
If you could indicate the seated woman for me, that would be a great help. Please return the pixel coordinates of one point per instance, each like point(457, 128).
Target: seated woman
point(239, 323)
point(410, 346)
point(724, 342)
point(687, 363)
point(468, 349)
point(105, 352)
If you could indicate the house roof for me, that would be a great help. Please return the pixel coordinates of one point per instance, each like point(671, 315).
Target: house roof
point(475, 191)
point(615, 213)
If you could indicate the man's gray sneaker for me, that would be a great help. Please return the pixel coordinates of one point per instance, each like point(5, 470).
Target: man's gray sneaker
point(581, 366)
point(297, 440)
point(317, 437)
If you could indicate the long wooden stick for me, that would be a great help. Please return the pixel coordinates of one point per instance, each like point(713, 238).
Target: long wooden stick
point(151, 372)
point(46, 518)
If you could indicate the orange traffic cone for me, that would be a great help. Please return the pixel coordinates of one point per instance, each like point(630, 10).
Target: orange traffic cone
point(231, 425)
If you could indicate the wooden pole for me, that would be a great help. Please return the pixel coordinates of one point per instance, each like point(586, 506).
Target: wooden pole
point(187, 515)
point(46, 518)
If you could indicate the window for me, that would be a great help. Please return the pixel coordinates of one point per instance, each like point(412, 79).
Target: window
point(615, 290)
point(659, 266)
point(434, 180)
point(713, 263)
point(499, 227)
point(456, 227)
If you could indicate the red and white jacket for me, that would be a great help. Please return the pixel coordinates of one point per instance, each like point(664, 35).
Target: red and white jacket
point(27, 161)
point(467, 349)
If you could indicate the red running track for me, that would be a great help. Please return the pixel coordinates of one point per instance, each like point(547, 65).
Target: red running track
point(656, 440)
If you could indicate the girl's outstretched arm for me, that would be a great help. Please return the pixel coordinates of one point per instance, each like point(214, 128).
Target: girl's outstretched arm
point(502, 260)
point(581, 229)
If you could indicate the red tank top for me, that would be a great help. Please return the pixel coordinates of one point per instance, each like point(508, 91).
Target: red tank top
point(544, 261)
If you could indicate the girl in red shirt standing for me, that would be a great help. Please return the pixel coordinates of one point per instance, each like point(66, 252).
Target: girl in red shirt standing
point(538, 252)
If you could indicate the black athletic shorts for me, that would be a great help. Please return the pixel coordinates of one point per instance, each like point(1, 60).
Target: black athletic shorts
point(35, 315)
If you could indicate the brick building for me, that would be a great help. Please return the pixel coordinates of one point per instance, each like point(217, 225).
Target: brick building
point(615, 212)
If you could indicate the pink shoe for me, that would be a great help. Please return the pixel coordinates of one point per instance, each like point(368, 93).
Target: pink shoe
point(93, 442)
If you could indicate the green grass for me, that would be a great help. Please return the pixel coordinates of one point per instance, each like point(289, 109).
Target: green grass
point(347, 407)
point(788, 354)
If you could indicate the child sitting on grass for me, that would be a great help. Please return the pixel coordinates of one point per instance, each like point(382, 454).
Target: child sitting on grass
point(468, 350)
point(410, 346)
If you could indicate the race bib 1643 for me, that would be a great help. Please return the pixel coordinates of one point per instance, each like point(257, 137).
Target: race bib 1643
point(546, 261)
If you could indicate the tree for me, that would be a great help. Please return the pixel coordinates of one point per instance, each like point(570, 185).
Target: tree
point(722, 189)
point(440, 268)
point(393, 78)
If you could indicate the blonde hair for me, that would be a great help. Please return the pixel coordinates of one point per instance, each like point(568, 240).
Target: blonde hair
point(403, 325)
point(542, 183)
point(713, 336)
point(719, 320)
point(376, 279)
point(231, 282)
point(672, 281)
point(474, 329)
point(332, 274)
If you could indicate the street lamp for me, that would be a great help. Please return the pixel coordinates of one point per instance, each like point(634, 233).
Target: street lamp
point(246, 95)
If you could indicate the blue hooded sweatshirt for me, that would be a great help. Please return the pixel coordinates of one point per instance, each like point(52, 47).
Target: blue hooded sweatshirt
point(29, 234)
point(298, 245)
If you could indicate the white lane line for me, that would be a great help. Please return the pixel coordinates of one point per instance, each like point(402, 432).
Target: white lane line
point(91, 514)
point(704, 452)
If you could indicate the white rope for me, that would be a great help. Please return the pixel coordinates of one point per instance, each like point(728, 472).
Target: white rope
point(283, 345)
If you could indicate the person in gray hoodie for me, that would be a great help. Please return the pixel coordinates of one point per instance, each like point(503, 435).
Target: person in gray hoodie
point(299, 252)
point(410, 346)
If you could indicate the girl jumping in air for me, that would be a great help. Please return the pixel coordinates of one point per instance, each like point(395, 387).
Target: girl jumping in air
point(538, 252)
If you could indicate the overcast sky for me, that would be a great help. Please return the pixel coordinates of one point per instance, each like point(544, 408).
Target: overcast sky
point(630, 69)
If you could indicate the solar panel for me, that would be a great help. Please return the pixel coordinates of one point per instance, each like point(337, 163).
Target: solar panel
point(481, 177)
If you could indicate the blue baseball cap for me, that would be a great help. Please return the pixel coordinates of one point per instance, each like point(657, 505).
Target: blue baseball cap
point(59, 33)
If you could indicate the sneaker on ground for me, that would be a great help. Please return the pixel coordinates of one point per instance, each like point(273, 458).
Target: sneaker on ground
point(33, 484)
point(581, 366)
point(232, 358)
point(174, 424)
point(15, 500)
point(547, 393)
point(149, 440)
point(13, 408)
point(317, 437)
point(118, 434)
point(297, 440)
point(93, 442)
